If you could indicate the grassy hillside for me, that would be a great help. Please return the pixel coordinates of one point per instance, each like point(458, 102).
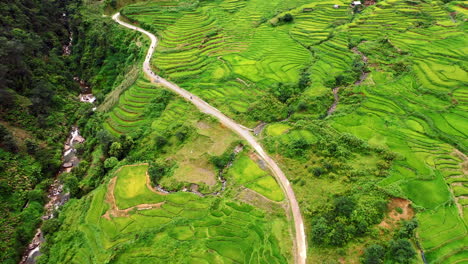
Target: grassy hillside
point(379, 177)
point(126, 218)
point(178, 228)
point(399, 126)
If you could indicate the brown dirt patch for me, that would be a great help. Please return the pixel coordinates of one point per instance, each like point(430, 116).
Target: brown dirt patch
point(203, 125)
point(393, 217)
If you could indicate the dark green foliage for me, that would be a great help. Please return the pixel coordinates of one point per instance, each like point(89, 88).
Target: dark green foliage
point(287, 18)
point(320, 231)
point(7, 141)
point(374, 254)
point(182, 133)
point(297, 147)
point(71, 184)
point(344, 206)
point(161, 141)
point(80, 170)
point(155, 108)
point(304, 80)
point(158, 169)
point(407, 229)
point(116, 150)
point(317, 171)
point(220, 162)
point(36, 195)
point(31, 146)
point(110, 163)
point(397, 251)
point(400, 251)
point(285, 91)
point(268, 109)
point(105, 139)
point(345, 219)
point(50, 226)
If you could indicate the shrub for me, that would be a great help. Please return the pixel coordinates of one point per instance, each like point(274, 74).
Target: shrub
point(407, 229)
point(110, 163)
point(158, 169)
point(374, 254)
point(287, 18)
point(116, 150)
point(50, 226)
point(401, 251)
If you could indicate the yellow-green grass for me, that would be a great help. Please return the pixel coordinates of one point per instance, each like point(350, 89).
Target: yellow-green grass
point(187, 228)
point(131, 188)
point(420, 115)
point(248, 173)
point(202, 45)
point(193, 161)
point(128, 114)
point(277, 129)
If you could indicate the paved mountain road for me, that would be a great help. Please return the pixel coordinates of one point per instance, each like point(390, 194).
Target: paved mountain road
point(300, 239)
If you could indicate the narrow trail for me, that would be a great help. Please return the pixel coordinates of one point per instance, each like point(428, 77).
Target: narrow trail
point(300, 239)
point(335, 102)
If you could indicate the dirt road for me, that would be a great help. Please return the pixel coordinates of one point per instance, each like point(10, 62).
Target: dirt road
point(300, 239)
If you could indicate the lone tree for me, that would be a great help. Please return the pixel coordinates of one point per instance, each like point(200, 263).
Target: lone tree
point(374, 254)
point(401, 251)
point(287, 18)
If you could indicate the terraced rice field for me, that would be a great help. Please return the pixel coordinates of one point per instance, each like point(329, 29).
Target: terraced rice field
point(129, 113)
point(183, 229)
point(248, 173)
point(233, 64)
point(421, 115)
point(413, 101)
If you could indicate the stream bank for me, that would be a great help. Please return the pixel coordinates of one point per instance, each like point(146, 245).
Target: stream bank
point(56, 194)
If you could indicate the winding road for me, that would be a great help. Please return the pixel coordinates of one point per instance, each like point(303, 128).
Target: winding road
point(300, 238)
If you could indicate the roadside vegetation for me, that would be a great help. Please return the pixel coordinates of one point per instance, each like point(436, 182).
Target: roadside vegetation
point(127, 217)
point(380, 176)
point(397, 129)
point(39, 102)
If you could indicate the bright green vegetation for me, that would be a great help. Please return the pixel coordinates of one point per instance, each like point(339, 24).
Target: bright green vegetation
point(131, 188)
point(277, 129)
point(186, 229)
point(234, 63)
point(248, 173)
point(142, 97)
point(38, 103)
point(399, 133)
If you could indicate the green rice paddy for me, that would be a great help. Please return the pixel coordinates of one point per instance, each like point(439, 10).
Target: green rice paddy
point(248, 173)
point(185, 229)
point(413, 103)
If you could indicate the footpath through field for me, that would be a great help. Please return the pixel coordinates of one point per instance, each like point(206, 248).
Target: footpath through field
point(300, 240)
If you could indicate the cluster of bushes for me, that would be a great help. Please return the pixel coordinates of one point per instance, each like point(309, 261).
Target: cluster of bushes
point(158, 169)
point(345, 219)
point(398, 250)
point(155, 108)
point(282, 100)
point(349, 76)
point(285, 19)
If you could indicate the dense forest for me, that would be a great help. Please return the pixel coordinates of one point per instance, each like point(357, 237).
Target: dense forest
point(39, 100)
